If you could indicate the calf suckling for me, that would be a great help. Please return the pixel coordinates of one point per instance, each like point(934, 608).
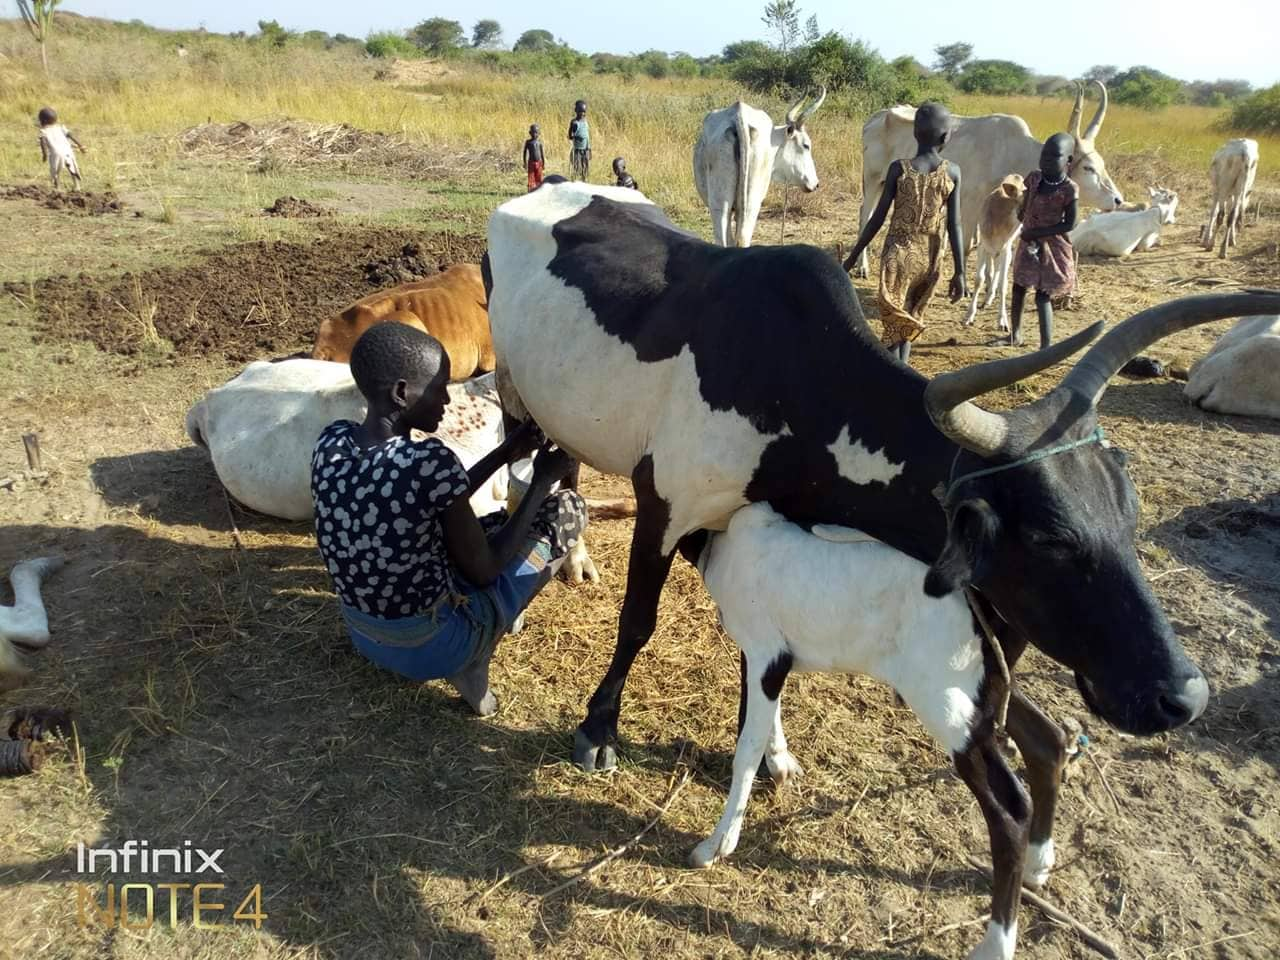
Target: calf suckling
point(24, 627)
point(834, 600)
point(717, 377)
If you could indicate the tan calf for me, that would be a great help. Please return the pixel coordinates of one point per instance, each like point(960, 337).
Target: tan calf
point(451, 306)
point(997, 228)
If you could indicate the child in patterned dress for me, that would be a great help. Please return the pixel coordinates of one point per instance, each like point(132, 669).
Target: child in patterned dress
point(55, 147)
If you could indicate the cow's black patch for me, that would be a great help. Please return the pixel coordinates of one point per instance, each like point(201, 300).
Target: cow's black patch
point(775, 675)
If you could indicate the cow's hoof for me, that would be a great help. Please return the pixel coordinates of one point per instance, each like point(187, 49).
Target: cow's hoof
point(590, 757)
point(706, 853)
point(784, 768)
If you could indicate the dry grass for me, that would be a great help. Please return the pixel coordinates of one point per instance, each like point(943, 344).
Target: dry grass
point(219, 701)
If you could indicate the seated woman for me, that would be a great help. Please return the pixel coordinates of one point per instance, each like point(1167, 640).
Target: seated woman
point(427, 589)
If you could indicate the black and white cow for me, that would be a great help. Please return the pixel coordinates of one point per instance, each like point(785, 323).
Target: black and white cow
point(715, 377)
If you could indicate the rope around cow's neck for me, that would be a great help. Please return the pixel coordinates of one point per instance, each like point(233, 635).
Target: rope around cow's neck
point(1097, 436)
point(1002, 708)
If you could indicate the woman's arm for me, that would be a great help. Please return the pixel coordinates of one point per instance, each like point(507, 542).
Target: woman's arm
point(877, 217)
point(518, 443)
point(959, 285)
point(481, 559)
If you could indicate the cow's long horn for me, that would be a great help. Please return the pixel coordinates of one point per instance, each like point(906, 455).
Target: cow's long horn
point(1073, 124)
point(1095, 124)
point(793, 115)
point(947, 396)
point(812, 108)
point(1090, 375)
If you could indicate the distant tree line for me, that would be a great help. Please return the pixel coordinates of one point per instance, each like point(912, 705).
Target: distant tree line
point(796, 56)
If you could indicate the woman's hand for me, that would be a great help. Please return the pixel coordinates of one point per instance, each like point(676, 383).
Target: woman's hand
point(959, 288)
point(523, 440)
point(551, 465)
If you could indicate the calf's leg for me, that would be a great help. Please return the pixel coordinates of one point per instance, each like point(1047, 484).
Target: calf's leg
point(1006, 810)
point(1044, 750)
point(763, 706)
point(647, 573)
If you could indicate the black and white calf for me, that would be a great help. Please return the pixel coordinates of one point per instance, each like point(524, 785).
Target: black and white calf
point(717, 377)
point(835, 600)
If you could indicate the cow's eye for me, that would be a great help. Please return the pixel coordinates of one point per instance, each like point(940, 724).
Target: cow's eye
point(807, 147)
point(1052, 544)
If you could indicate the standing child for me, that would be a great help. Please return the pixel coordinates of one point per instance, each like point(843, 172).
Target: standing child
point(426, 588)
point(624, 179)
point(925, 194)
point(1045, 259)
point(55, 147)
point(580, 137)
point(534, 160)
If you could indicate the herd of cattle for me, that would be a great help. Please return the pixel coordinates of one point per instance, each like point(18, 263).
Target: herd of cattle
point(845, 513)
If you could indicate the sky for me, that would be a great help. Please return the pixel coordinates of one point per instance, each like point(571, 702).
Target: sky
point(1186, 38)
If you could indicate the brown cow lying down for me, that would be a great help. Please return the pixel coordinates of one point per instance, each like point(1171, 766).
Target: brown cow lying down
point(451, 306)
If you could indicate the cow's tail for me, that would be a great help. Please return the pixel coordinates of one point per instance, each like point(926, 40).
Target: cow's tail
point(742, 167)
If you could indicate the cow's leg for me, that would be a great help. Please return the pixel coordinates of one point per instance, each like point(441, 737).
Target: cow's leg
point(871, 190)
point(1228, 228)
point(1044, 750)
point(763, 703)
point(1211, 227)
point(646, 575)
point(978, 280)
point(1006, 810)
point(782, 766)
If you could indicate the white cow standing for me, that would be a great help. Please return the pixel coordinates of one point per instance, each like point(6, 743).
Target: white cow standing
point(738, 153)
point(1231, 175)
point(1120, 233)
point(987, 149)
point(1239, 374)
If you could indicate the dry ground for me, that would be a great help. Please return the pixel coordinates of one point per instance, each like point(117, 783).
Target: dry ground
point(219, 702)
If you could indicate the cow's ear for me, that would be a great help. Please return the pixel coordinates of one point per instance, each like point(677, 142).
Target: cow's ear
point(1010, 190)
point(965, 557)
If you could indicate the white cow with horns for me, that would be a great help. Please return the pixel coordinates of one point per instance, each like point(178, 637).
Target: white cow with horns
point(1231, 174)
point(987, 149)
point(738, 153)
point(715, 378)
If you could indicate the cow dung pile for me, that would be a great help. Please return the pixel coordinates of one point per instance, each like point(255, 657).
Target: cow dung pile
point(244, 302)
point(93, 204)
point(294, 208)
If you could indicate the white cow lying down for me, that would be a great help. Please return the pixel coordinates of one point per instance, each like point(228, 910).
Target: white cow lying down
point(837, 601)
point(1120, 233)
point(1239, 375)
point(261, 427)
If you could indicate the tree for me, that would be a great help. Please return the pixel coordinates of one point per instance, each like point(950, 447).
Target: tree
point(272, 33)
point(783, 18)
point(811, 31)
point(951, 58)
point(38, 16)
point(1218, 93)
point(1102, 72)
point(486, 34)
point(1258, 113)
point(1146, 87)
point(744, 50)
point(535, 41)
point(998, 77)
point(438, 35)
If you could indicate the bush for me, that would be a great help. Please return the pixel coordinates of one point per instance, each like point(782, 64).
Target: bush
point(438, 36)
point(1146, 87)
point(391, 46)
point(1258, 113)
point(996, 77)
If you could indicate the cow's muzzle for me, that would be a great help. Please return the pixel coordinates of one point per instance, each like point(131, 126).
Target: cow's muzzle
point(1161, 707)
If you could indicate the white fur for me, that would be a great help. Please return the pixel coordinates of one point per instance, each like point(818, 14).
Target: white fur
point(26, 622)
point(261, 427)
point(1120, 233)
point(859, 465)
point(850, 607)
point(999, 943)
point(780, 153)
point(986, 149)
point(1231, 175)
point(1040, 860)
point(1239, 375)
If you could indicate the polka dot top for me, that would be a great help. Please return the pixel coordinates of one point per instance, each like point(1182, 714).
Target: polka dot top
point(378, 519)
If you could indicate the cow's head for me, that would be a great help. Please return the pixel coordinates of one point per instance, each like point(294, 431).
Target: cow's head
point(1166, 200)
point(1088, 169)
point(1048, 537)
point(793, 163)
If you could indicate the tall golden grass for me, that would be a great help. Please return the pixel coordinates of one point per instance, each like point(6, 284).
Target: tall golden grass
point(120, 87)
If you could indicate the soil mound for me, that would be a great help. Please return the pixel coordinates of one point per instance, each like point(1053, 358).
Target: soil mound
point(93, 204)
point(294, 208)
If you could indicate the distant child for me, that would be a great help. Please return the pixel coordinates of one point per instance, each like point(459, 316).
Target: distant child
point(580, 137)
point(925, 194)
point(55, 147)
point(534, 159)
point(620, 171)
point(1045, 259)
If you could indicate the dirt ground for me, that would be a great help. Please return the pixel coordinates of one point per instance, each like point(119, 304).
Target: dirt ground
point(218, 701)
